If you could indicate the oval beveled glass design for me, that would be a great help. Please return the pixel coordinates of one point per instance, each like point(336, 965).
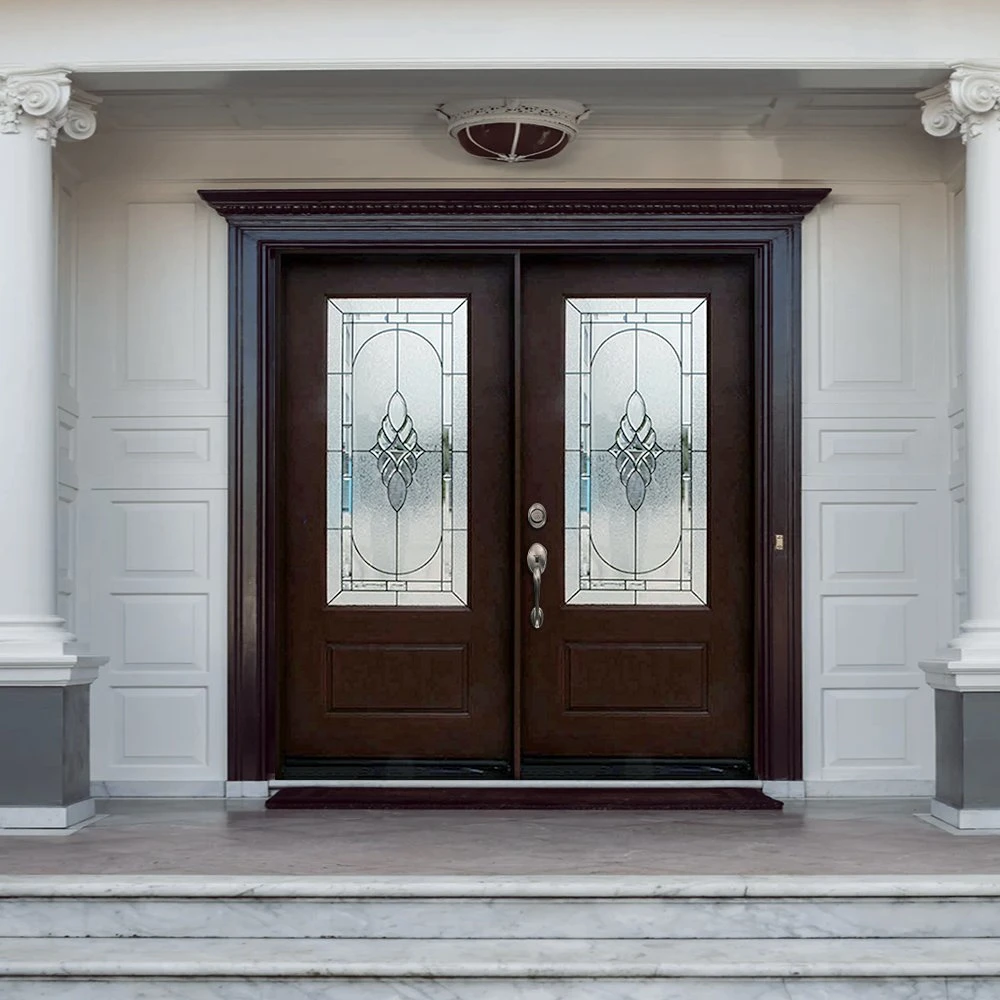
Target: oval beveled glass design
point(636, 462)
point(396, 406)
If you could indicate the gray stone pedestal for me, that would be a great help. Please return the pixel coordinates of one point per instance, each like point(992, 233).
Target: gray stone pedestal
point(967, 795)
point(45, 745)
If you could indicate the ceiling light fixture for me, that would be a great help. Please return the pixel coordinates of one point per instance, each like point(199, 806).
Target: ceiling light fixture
point(513, 130)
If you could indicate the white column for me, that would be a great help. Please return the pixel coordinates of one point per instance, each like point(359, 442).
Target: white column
point(34, 109)
point(967, 674)
point(44, 680)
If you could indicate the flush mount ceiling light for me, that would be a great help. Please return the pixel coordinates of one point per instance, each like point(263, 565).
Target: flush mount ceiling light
point(513, 130)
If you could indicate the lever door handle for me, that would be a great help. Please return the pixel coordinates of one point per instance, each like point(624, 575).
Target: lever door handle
point(538, 559)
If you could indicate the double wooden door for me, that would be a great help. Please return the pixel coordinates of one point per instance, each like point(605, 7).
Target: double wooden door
point(517, 515)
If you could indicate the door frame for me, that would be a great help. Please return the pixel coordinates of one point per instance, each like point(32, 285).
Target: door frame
point(762, 225)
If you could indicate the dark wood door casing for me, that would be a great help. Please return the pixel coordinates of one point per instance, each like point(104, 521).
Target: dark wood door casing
point(761, 226)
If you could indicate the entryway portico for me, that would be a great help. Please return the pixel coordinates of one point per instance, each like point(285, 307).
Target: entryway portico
point(141, 497)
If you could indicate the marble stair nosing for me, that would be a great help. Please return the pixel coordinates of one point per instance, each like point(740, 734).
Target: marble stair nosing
point(151, 958)
point(594, 908)
point(515, 919)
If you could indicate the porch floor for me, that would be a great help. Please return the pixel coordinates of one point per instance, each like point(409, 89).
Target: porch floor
point(238, 837)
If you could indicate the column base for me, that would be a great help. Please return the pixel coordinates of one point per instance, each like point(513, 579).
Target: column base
point(970, 663)
point(966, 819)
point(46, 817)
point(45, 739)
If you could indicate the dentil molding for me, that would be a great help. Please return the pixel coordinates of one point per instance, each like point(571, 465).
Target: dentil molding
point(48, 101)
point(969, 101)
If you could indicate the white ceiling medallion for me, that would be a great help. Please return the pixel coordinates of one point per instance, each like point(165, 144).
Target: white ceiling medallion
point(513, 130)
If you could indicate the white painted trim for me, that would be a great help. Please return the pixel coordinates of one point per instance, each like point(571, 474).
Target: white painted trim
point(56, 671)
point(787, 790)
point(888, 788)
point(45, 817)
point(966, 819)
point(247, 790)
point(784, 789)
point(954, 831)
point(158, 789)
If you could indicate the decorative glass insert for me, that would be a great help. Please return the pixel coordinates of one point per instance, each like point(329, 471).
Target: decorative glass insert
point(397, 459)
point(636, 451)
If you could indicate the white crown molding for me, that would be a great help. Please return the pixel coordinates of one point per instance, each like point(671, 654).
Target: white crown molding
point(969, 101)
point(48, 101)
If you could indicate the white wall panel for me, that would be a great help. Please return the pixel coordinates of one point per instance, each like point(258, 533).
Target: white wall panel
point(157, 565)
point(876, 312)
point(868, 633)
point(152, 305)
point(163, 538)
point(164, 452)
point(165, 337)
point(873, 733)
point(163, 631)
point(67, 415)
point(161, 729)
point(877, 569)
point(956, 409)
point(864, 343)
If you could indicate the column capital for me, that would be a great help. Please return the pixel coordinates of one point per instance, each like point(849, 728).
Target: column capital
point(49, 102)
point(969, 101)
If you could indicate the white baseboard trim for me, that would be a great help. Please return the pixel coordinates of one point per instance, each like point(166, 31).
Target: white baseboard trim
point(46, 817)
point(784, 790)
point(877, 788)
point(966, 819)
point(158, 789)
point(247, 789)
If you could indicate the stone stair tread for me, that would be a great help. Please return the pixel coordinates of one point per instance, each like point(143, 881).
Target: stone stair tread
point(501, 886)
point(495, 958)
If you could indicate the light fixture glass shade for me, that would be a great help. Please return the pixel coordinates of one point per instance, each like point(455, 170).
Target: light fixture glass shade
point(514, 130)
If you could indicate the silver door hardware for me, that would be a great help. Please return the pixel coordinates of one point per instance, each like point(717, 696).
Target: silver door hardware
point(537, 515)
point(538, 558)
point(779, 543)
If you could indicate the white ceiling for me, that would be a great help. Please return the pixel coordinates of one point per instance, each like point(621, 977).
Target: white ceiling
point(769, 100)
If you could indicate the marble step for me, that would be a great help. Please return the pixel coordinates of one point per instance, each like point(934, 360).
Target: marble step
point(584, 908)
point(241, 969)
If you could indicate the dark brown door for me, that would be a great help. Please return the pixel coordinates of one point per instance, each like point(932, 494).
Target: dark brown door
point(400, 577)
point(394, 422)
point(638, 440)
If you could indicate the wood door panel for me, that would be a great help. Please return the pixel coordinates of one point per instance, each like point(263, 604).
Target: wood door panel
point(639, 680)
point(634, 677)
point(395, 682)
point(384, 678)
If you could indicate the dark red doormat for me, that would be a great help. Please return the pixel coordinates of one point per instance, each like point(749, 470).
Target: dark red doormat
point(532, 797)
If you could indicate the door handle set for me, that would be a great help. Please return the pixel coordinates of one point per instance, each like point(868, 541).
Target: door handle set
point(538, 559)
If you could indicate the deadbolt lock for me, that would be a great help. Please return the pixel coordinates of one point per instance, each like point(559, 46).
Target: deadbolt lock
point(537, 515)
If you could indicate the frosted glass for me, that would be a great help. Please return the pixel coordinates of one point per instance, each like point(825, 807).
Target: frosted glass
point(636, 461)
point(396, 459)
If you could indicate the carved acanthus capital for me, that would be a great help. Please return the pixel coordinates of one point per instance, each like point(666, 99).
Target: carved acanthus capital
point(46, 101)
point(969, 101)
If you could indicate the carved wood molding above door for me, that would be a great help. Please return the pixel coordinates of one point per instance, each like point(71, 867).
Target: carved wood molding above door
point(761, 225)
point(573, 202)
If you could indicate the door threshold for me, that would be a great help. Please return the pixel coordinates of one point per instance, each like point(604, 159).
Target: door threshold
point(276, 783)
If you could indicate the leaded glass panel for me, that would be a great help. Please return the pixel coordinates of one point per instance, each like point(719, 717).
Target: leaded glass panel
point(636, 462)
point(397, 404)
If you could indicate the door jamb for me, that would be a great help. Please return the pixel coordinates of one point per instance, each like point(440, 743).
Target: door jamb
point(265, 226)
